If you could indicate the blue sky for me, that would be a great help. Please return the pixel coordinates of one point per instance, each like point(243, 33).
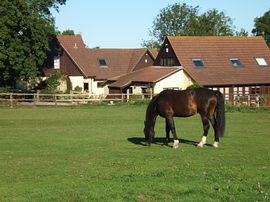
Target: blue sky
point(126, 23)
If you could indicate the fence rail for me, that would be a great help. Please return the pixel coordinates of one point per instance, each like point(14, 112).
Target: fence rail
point(38, 99)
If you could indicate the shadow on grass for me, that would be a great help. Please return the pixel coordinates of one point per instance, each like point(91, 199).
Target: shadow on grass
point(162, 141)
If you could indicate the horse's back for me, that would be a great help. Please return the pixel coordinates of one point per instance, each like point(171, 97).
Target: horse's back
point(185, 103)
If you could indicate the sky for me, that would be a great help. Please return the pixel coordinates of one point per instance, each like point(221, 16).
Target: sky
point(126, 23)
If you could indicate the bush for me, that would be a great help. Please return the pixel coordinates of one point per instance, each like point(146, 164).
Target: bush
point(232, 108)
point(53, 82)
point(5, 89)
point(195, 85)
point(78, 89)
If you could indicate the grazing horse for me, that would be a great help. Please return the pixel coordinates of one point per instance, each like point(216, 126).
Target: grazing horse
point(184, 103)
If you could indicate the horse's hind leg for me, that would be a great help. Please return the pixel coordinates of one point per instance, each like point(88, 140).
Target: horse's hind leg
point(168, 129)
point(171, 125)
point(206, 127)
point(214, 124)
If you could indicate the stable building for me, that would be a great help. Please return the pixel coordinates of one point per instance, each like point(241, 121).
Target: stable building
point(234, 65)
point(88, 68)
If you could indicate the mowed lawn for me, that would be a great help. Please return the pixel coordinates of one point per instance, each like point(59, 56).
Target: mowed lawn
point(96, 153)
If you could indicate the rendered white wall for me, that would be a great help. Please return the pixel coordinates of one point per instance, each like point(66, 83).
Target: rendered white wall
point(76, 81)
point(177, 80)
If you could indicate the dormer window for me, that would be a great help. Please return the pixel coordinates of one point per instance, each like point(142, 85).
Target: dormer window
point(198, 63)
point(102, 63)
point(261, 61)
point(235, 62)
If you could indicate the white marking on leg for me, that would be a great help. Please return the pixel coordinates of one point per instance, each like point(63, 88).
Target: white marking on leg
point(175, 144)
point(215, 144)
point(202, 142)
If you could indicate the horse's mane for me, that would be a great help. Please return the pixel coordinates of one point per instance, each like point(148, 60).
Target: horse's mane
point(151, 109)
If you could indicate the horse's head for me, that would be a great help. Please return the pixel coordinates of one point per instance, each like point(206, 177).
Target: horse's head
point(148, 132)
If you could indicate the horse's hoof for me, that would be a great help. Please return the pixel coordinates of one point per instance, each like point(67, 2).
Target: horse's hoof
point(147, 144)
point(200, 145)
point(175, 146)
point(215, 145)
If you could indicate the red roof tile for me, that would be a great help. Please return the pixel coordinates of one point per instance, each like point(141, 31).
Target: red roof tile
point(119, 61)
point(151, 74)
point(216, 51)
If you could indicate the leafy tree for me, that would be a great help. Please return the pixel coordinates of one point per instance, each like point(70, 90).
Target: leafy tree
point(262, 27)
point(68, 32)
point(211, 23)
point(25, 29)
point(242, 32)
point(181, 19)
point(172, 20)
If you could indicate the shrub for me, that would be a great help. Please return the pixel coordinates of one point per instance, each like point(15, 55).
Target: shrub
point(53, 82)
point(195, 85)
point(78, 89)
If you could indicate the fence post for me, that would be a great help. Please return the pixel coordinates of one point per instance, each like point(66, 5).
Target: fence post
point(257, 100)
point(11, 100)
point(55, 99)
point(36, 98)
point(127, 95)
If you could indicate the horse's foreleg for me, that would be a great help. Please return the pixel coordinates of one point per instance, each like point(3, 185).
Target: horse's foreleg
point(206, 127)
point(171, 125)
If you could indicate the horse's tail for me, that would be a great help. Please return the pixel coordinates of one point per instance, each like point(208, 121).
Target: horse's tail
point(220, 114)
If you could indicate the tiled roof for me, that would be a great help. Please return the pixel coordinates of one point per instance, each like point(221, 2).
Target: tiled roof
point(216, 51)
point(71, 42)
point(119, 61)
point(150, 74)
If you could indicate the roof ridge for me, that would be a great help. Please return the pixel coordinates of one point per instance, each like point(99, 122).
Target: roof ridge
point(216, 37)
point(132, 67)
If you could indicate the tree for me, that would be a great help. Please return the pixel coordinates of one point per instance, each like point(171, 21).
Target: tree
point(68, 32)
point(262, 27)
point(181, 19)
point(211, 23)
point(242, 32)
point(25, 30)
point(172, 20)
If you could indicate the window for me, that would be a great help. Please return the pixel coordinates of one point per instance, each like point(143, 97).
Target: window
point(56, 62)
point(102, 62)
point(99, 84)
point(167, 61)
point(261, 61)
point(198, 63)
point(235, 62)
point(85, 86)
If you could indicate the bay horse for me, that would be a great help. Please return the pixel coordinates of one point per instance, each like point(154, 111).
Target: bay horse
point(184, 103)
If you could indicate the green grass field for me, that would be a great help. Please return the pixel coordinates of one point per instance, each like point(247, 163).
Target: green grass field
point(95, 153)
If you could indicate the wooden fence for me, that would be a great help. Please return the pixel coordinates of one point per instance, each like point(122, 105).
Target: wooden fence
point(38, 99)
